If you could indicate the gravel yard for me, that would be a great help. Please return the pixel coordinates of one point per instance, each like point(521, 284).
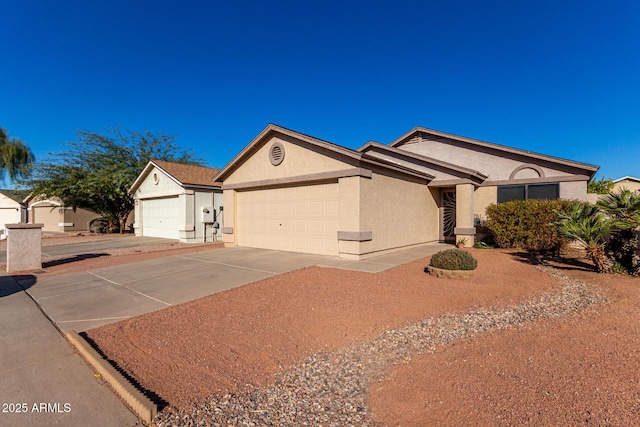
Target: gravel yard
point(516, 345)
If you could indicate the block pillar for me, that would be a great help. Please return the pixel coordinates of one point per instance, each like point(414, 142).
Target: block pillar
point(24, 247)
point(465, 228)
point(228, 227)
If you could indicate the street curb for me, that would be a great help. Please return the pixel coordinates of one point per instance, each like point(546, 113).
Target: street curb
point(138, 402)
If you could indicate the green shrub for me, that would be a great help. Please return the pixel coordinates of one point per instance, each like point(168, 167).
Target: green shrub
point(527, 224)
point(454, 259)
point(482, 245)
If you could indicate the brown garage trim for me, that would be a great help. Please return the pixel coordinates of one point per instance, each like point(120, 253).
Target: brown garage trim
point(344, 173)
point(466, 231)
point(355, 236)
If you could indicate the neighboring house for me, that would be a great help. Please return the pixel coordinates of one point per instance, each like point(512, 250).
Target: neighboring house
point(628, 182)
point(290, 191)
point(55, 217)
point(12, 210)
point(177, 201)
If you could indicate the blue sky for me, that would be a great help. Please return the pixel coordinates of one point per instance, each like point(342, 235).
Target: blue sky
point(556, 77)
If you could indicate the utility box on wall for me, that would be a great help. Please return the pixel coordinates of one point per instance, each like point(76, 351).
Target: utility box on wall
point(208, 214)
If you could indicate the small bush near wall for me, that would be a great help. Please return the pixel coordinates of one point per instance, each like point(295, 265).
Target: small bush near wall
point(453, 259)
point(527, 224)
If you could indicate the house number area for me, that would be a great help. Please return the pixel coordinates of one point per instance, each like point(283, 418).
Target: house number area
point(15, 408)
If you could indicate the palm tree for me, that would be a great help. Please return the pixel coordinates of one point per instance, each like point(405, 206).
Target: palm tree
point(584, 224)
point(15, 157)
point(623, 207)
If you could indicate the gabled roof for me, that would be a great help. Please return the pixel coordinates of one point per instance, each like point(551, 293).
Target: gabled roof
point(624, 178)
point(590, 169)
point(183, 174)
point(255, 144)
point(455, 169)
point(16, 195)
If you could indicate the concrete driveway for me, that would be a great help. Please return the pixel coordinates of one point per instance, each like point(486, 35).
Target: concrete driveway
point(96, 246)
point(85, 300)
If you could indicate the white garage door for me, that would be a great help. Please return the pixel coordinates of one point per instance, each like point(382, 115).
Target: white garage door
point(160, 218)
point(299, 219)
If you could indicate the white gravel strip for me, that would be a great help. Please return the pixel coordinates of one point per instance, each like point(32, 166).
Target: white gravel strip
point(331, 388)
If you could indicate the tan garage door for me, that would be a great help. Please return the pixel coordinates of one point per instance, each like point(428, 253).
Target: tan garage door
point(299, 219)
point(47, 215)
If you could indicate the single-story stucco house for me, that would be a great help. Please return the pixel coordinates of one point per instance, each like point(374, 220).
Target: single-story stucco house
point(12, 210)
point(290, 191)
point(628, 182)
point(177, 201)
point(55, 217)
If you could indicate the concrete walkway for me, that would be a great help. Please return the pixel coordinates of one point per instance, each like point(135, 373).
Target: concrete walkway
point(43, 376)
point(38, 366)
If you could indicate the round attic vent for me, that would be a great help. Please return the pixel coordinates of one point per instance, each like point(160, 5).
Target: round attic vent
point(156, 178)
point(276, 153)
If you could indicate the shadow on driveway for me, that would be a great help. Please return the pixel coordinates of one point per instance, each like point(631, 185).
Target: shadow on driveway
point(72, 258)
point(10, 285)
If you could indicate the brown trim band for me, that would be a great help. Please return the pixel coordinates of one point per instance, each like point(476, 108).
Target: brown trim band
point(465, 231)
point(355, 236)
point(323, 176)
point(452, 182)
point(561, 178)
point(227, 230)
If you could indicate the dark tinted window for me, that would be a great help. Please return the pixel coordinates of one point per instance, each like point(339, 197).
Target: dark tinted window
point(528, 191)
point(543, 191)
point(511, 192)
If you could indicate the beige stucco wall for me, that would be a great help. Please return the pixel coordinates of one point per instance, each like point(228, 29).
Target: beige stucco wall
point(497, 167)
point(349, 207)
point(574, 190)
point(440, 173)
point(299, 159)
point(164, 187)
point(78, 220)
point(483, 197)
point(10, 211)
point(627, 183)
point(229, 217)
point(398, 212)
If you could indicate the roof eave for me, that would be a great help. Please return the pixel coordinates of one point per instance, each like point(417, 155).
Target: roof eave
point(470, 173)
point(589, 168)
point(248, 149)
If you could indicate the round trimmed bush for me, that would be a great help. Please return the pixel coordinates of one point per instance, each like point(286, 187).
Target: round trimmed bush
point(453, 259)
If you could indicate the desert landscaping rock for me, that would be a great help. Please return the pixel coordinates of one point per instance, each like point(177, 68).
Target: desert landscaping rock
point(514, 345)
point(331, 388)
point(450, 274)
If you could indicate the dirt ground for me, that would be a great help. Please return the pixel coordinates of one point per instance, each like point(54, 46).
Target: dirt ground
point(581, 369)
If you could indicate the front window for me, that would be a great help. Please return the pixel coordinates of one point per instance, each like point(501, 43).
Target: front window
point(508, 193)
